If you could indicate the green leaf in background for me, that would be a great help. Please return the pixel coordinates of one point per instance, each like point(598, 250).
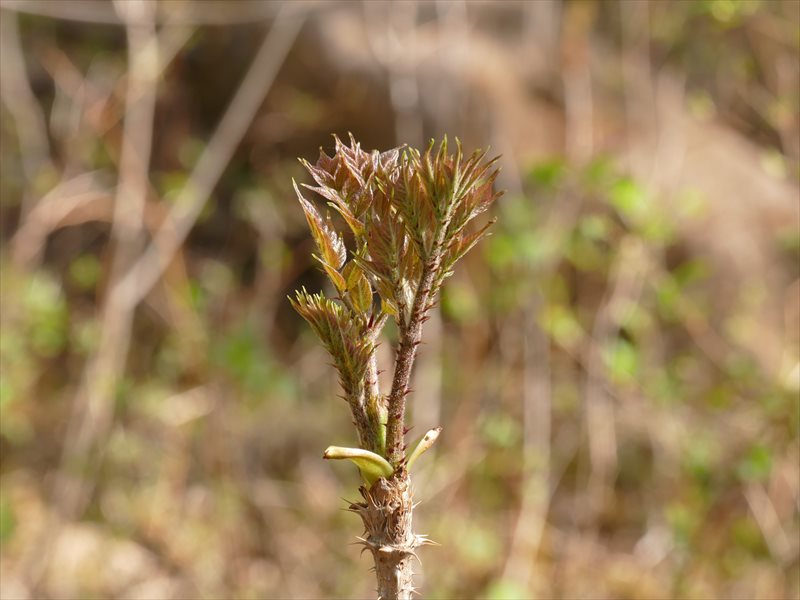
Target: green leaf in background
point(747, 535)
point(477, 543)
point(729, 13)
point(595, 227)
point(460, 302)
point(700, 457)
point(587, 254)
point(628, 198)
point(507, 589)
point(8, 521)
point(622, 361)
point(756, 465)
point(197, 296)
point(217, 279)
point(599, 173)
point(562, 325)
point(658, 230)
point(683, 518)
point(690, 204)
point(85, 271)
point(46, 314)
point(170, 184)
point(189, 153)
point(668, 296)
point(691, 271)
point(720, 396)
point(500, 250)
point(548, 174)
point(243, 356)
point(501, 430)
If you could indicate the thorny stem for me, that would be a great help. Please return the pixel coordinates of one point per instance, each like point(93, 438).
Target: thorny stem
point(433, 194)
point(387, 512)
point(410, 337)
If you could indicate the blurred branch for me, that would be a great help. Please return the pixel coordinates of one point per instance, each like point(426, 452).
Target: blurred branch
point(197, 12)
point(193, 196)
point(66, 198)
point(69, 81)
point(390, 40)
point(18, 97)
point(88, 11)
point(83, 197)
point(79, 100)
point(536, 473)
point(576, 40)
point(92, 412)
point(695, 322)
point(638, 94)
point(536, 485)
point(625, 287)
point(540, 28)
point(768, 522)
point(94, 408)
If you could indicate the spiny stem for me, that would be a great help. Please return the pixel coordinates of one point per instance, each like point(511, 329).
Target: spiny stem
point(408, 221)
point(410, 337)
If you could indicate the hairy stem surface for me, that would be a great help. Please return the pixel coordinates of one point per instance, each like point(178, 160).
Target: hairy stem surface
point(410, 337)
point(386, 512)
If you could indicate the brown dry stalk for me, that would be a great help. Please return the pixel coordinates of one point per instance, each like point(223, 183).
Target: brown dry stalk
point(407, 214)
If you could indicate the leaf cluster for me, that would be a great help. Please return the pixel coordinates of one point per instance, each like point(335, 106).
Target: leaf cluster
point(406, 214)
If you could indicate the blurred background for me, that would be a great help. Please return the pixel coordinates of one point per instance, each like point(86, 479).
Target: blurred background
point(617, 368)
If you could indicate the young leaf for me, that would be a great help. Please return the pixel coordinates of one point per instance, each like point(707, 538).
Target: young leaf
point(330, 244)
point(334, 275)
point(358, 287)
point(423, 445)
point(371, 465)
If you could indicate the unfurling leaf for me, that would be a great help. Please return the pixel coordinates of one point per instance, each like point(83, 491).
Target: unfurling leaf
point(465, 243)
point(371, 465)
point(330, 243)
point(342, 337)
point(423, 445)
point(336, 278)
point(358, 288)
point(406, 214)
point(389, 308)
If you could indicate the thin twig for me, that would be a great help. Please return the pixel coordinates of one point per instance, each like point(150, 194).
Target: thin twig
point(410, 337)
point(577, 78)
point(192, 198)
point(625, 288)
point(390, 40)
point(21, 102)
point(197, 13)
point(769, 522)
point(536, 489)
point(106, 364)
point(74, 194)
point(67, 197)
point(535, 479)
point(92, 412)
